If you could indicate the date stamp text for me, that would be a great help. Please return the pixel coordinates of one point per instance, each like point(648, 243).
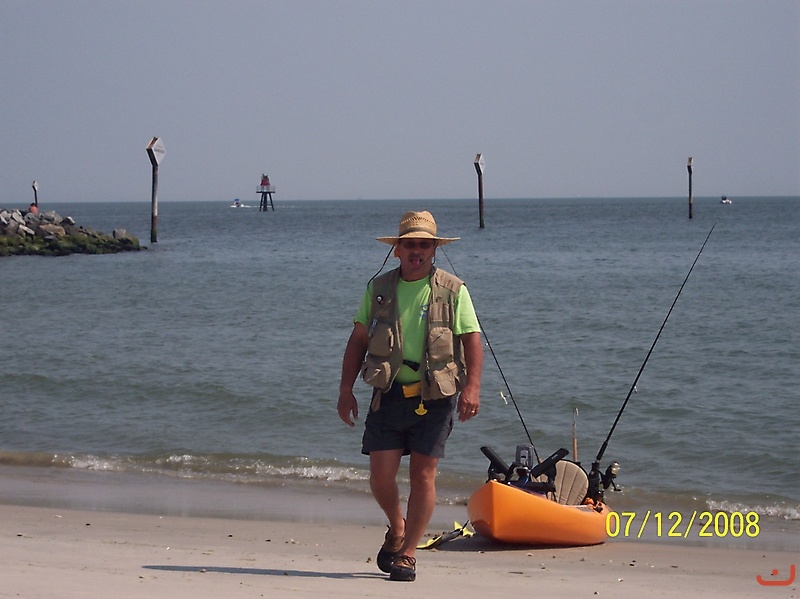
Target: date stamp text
point(677, 524)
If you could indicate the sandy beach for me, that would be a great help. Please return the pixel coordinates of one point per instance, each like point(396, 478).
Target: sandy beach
point(70, 553)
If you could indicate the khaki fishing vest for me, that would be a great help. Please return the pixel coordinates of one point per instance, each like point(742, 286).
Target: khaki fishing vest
point(443, 368)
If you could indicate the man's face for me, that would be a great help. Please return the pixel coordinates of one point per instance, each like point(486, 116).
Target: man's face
point(416, 258)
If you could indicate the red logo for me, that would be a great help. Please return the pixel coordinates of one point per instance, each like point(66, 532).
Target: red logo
point(778, 582)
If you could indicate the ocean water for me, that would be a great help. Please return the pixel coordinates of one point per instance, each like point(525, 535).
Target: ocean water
point(214, 356)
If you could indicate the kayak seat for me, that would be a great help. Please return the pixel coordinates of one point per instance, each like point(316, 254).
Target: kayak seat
point(571, 483)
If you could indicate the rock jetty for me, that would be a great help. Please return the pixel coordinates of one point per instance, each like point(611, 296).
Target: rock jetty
point(49, 234)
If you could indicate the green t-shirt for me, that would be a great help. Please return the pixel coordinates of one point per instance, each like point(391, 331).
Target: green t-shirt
point(412, 297)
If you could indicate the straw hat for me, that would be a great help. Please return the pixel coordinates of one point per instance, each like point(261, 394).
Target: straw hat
point(417, 225)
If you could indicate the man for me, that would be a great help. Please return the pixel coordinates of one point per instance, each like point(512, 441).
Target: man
point(416, 340)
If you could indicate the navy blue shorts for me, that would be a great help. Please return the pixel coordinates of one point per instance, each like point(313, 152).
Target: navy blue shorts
point(396, 425)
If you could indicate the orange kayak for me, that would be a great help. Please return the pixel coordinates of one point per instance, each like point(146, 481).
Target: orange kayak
point(507, 513)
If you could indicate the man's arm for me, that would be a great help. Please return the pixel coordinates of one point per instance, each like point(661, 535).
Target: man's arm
point(470, 399)
point(351, 365)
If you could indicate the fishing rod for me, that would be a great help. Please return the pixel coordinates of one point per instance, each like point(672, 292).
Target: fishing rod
point(594, 476)
point(499, 369)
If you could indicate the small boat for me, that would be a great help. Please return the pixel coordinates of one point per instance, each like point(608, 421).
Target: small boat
point(725, 200)
point(237, 203)
point(549, 504)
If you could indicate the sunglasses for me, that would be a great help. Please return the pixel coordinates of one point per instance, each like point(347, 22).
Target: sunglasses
point(423, 245)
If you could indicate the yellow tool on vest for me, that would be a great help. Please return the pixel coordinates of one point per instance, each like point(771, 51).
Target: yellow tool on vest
point(415, 390)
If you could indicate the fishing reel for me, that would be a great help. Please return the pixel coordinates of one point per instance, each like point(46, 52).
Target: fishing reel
point(599, 482)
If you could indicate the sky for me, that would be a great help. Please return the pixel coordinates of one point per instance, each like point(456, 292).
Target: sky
point(372, 99)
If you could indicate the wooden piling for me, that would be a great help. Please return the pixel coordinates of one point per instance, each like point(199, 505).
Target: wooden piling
point(155, 150)
point(154, 207)
point(689, 168)
point(479, 164)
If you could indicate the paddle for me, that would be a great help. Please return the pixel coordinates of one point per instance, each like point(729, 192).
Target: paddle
point(459, 531)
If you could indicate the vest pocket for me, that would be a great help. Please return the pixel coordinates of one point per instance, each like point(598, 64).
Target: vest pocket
point(376, 373)
point(440, 344)
point(443, 381)
point(381, 341)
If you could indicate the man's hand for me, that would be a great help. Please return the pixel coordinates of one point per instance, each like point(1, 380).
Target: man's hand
point(347, 405)
point(469, 404)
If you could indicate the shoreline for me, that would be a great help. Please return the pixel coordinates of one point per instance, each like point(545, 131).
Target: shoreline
point(309, 502)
